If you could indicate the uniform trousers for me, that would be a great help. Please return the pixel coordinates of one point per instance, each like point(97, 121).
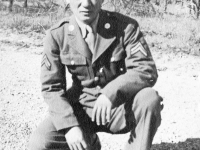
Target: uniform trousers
point(140, 116)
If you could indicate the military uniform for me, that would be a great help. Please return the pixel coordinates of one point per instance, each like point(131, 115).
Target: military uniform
point(121, 67)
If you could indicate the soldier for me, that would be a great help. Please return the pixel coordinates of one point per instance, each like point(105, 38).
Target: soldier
point(112, 71)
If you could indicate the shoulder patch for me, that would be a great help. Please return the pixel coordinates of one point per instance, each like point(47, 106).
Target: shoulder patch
point(138, 48)
point(46, 62)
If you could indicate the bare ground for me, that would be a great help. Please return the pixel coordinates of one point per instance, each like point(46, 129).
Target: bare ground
point(22, 107)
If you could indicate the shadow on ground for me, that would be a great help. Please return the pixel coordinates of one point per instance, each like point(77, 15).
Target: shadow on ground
point(189, 144)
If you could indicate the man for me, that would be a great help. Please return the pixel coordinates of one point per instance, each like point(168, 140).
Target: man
point(112, 71)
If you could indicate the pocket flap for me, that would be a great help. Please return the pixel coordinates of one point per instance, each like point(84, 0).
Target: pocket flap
point(73, 59)
point(118, 56)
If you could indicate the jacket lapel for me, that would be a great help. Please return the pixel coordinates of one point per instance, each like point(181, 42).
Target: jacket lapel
point(106, 35)
point(76, 40)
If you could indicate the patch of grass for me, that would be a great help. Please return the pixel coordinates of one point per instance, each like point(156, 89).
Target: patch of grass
point(171, 33)
point(166, 32)
point(189, 144)
point(33, 21)
point(18, 22)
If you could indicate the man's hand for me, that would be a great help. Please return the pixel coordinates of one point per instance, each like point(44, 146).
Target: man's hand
point(75, 139)
point(102, 110)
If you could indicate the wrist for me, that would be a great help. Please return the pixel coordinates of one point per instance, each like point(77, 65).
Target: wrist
point(66, 130)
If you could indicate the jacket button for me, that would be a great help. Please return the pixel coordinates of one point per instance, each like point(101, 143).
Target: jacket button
point(101, 70)
point(151, 80)
point(72, 62)
point(112, 59)
point(121, 69)
point(98, 87)
point(96, 79)
point(71, 28)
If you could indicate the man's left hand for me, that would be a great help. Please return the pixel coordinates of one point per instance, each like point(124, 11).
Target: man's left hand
point(102, 110)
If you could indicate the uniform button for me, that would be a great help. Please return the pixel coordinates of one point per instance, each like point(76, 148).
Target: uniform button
point(96, 79)
point(107, 25)
point(98, 87)
point(112, 59)
point(151, 80)
point(121, 69)
point(71, 28)
point(101, 70)
point(72, 62)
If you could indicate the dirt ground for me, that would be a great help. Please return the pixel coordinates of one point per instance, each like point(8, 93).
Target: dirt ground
point(22, 107)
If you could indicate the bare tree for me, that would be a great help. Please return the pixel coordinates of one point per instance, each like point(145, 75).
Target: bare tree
point(11, 2)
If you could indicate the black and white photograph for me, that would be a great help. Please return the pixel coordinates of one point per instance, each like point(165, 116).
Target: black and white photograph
point(99, 74)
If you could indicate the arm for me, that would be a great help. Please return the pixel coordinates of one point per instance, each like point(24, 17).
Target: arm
point(141, 70)
point(54, 86)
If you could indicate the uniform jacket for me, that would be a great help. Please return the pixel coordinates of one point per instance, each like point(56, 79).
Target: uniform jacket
point(121, 65)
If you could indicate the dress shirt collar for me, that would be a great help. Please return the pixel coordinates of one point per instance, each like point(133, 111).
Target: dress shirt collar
point(82, 26)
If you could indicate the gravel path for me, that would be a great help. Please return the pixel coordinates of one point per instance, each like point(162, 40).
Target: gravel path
point(22, 107)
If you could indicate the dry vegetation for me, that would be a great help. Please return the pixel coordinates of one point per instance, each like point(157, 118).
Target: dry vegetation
point(174, 38)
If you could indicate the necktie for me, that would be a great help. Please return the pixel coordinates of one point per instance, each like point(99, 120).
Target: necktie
point(90, 38)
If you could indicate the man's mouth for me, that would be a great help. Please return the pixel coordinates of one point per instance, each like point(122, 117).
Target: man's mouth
point(86, 12)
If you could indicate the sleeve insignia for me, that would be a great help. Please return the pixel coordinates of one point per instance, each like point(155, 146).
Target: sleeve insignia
point(138, 48)
point(46, 62)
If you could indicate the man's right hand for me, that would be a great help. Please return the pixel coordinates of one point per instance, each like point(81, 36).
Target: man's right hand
point(75, 139)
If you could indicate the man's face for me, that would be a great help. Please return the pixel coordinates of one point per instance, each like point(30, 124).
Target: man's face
point(86, 10)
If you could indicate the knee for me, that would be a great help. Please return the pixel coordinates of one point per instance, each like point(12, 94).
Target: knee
point(148, 99)
point(37, 141)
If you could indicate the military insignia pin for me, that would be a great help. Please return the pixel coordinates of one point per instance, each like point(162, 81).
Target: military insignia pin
point(138, 48)
point(107, 25)
point(46, 62)
point(71, 28)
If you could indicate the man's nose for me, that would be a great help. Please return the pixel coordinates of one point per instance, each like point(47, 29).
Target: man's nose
point(86, 3)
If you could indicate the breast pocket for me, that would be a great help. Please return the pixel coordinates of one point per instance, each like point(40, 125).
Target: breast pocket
point(76, 64)
point(117, 64)
point(114, 65)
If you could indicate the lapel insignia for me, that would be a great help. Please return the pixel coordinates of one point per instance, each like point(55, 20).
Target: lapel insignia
point(106, 34)
point(107, 26)
point(101, 70)
point(138, 48)
point(71, 28)
point(46, 62)
point(112, 59)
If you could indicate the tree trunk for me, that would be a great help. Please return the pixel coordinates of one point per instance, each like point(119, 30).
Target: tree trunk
point(198, 8)
point(10, 5)
point(25, 4)
point(165, 5)
point(158, 2)
point(182, 2)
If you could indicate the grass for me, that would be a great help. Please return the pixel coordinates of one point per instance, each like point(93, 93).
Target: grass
point(189, 144)
point(22, 23)
point(176, 30)
point(171, 32)
point(34, 20)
